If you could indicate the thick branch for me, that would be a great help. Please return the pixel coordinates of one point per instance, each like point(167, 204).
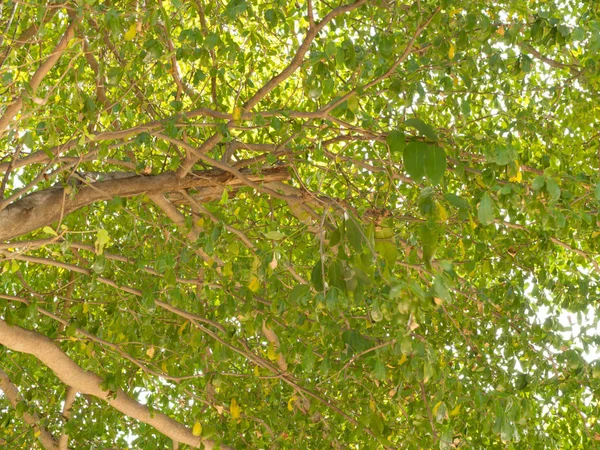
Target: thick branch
point(44, 349)
point(44, 207)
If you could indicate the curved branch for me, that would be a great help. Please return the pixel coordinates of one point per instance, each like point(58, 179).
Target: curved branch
point(43, 348)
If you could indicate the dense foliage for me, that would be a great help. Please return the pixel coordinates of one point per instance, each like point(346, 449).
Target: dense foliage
point(275, 224)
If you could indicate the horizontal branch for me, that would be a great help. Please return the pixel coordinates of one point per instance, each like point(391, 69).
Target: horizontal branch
point(86, 382)
point(44, 207)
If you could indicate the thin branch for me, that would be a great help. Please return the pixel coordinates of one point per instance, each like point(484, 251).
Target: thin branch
point(296, 62)
point(12, 109)
point(63, 443)
point(14, 397)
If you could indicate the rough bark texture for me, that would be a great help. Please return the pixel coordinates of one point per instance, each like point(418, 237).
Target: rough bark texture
point(49, 205)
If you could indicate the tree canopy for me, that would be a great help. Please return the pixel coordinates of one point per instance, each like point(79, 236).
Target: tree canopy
point(313, 224)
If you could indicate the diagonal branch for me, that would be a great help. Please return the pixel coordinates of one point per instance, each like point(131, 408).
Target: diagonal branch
point(294, 64)
point(12, 109)
point(27, 34)
point(14, 397)
point(86, 382)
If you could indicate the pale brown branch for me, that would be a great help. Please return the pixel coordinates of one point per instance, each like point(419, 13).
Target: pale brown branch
point(551, 62)
point(63, 442)
point(14, 397)
point(200, 155)
point(12, 109)
point(298, 58)
point(44, 207)
point(174, 214)
point(407, 51)
point(26, 35)
point(43, 348)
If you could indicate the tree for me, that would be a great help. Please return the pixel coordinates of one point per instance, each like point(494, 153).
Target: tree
point(273, 224)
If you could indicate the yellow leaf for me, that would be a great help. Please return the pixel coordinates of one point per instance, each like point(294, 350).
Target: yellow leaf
point(235, 409)
point(455, 411)
point(227, 269)
point(237, 113)
point(372, 405)
point(181, 328)
point(49, 230)
point(36, 433)
point(518, 177)
point(131, 32)
point(256, 371)
point(500, 31)
point(451, 51)
point(271, 353)
point(436, 407)
point(403, 359)
point(291, 401)
point(254, 284)
point(150, 352)
point(353, 103)
point(86, 308)
point(163, 366)
point(442, 214)
point(197, 430)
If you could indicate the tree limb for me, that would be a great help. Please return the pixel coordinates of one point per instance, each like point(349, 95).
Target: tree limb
point(12, 109)
point(44, 349)
point(44, 207)
point(14, 397)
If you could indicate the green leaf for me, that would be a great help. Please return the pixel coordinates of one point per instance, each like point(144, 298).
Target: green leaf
point(102, 239)
point(422, 127)
point(379, 370)
point(388, 250)
point(355, 233)
point(429, 240)
point(456, 201)
point(355, 341)
point(49, 230)
point(396, 141)
point(435, 163)
point(553, 189)
point(485, 211)
point(308, 360)
point(538, 182)
point(597, 192)
point(317, 276)
point(414, 160)
point(274, 235)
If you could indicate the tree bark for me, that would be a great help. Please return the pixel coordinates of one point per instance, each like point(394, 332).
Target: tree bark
point(41, 208)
